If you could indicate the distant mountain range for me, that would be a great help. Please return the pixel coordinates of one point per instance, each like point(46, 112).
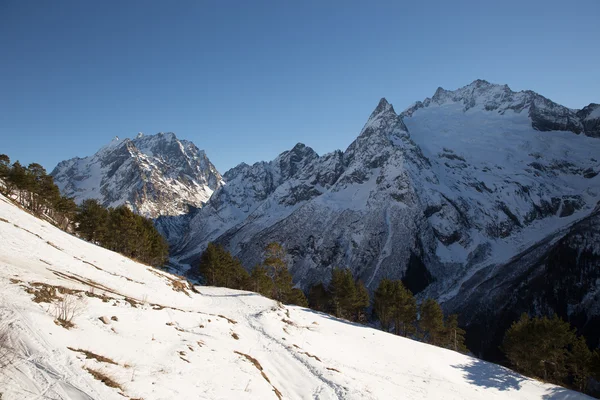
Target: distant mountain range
point(468, 196)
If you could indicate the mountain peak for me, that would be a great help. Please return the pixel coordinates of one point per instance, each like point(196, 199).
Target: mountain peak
point(155, 175)
point(383, 107)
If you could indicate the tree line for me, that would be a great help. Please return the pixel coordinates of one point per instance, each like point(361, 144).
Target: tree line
point(120, 229)
point(394, 306)
point(117, 229)
point(272, 278)
point(35, 190)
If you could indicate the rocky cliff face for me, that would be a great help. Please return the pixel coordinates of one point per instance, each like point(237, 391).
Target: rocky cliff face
point(154, 175)
point(560, 274)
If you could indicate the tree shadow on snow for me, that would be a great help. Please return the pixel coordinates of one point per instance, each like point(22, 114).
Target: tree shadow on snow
point(334, 318)
point(560, 393)
point(488, 375)
point(229, 295)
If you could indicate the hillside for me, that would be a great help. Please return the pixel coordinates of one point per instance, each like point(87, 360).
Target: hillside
point(169, 340)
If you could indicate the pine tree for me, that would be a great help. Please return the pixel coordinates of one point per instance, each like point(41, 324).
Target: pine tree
point(92, 221)
point(431, 322)
point(17, 179)
point(383, 303)
point(297, 297)
point(211, 265)
point(539, 347)
point(404, 309)
point(4, 165)
point(343, 293)
point(454, 336)
point(275, 260)
point(581, 363)
point(361, 302)
point(260, 281)
point(318, 297)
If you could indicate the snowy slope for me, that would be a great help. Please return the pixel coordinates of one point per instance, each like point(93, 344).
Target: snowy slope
point(155, 175)
point(170, 344)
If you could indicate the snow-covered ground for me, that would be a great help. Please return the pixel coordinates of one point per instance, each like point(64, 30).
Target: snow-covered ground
point(216, 344)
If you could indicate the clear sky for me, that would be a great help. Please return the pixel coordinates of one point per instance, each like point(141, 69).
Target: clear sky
point(246, 80)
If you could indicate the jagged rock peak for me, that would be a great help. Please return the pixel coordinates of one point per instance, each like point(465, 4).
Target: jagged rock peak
point(154, 175)
point(383, 107)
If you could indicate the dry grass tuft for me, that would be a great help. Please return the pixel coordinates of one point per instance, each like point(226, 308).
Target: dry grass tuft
point(104, 378)
point(89, 355)
point(231, 321)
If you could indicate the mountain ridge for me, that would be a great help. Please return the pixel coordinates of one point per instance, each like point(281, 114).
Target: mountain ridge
point(154, 175)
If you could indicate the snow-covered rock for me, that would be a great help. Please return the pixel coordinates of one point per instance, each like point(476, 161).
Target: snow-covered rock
point(154, 175)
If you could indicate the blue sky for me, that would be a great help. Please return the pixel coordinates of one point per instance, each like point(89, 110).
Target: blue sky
point(246, 80)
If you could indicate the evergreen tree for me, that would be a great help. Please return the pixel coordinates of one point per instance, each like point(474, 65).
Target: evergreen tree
point(212, 265)
point(383, 303)
point(361, 302)
point(260, 281)
point(580, 363)
point(454, 336)
point(539, 346)
point(404, 309)
point(431, 322)
point(4, 165)
point(318, 297)
point(275, 256)
point(343, 293)
point(92, 221)
point(65, 210)
point(4, 172)
point(17, 179)
point(297, 297)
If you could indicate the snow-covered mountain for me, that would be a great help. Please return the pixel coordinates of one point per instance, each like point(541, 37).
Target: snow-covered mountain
point(459, 183)
point(454, 183)
point(155, 175)
point(142, 333)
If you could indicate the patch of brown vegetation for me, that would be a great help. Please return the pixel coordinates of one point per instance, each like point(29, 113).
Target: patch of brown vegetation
point(255, 362)
point(45, 293)
point(89, 355)
point(333, 369)
point(231, 321)
point(4, 220)
point(64, 323)
point(53, 245)
point(102, 377)
point(187, 361)
point(15, 281)
point(287, 321)
point(235, 336)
